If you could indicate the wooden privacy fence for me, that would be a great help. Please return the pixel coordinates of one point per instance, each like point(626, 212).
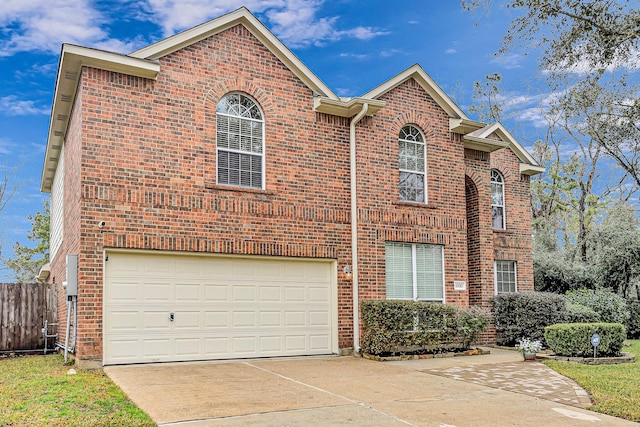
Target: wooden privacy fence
point(23, 309)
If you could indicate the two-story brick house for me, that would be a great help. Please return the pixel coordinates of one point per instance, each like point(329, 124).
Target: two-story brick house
point(223, 202)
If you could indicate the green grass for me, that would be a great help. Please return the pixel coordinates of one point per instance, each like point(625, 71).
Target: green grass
point(36, 391)
point(614, 389)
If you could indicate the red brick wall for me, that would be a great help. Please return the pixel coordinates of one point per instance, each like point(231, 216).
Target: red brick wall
point(147, 168)
point(383, 217)
point(514, 242)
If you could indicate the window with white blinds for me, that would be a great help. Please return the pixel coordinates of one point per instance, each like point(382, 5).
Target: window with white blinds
point(414, 271)
point(240, 142)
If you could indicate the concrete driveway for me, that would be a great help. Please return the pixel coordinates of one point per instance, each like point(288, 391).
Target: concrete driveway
point(327, 391)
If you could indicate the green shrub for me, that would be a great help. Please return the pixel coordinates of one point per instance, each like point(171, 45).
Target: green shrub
point(393, 327)
point(471, 323)
point(574, 339)
point(578, 313)
point(524, 315)
point(633, 324)
point(611, 307)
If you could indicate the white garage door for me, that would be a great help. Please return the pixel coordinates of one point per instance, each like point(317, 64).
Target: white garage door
point(161, 308)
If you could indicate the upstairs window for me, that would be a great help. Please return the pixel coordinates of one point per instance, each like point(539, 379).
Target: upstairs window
point(497, 200)
point(240, 142)
point(412, 162)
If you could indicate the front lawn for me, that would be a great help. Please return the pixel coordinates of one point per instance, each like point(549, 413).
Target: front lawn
point(36, 391)
point(614, 389)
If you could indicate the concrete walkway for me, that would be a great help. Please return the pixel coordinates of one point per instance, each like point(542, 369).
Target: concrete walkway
point(327, 391)
point(505, 370)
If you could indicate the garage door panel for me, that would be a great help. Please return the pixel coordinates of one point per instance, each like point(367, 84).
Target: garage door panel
point(294, 294)
point(123, 291)
point(224, 307)
point(188, 292)
point(244, 293)
point(156, 320)
point(216, 319)
point(216, 293)
point(157, 291)
point(187, 320)
point(243, 319)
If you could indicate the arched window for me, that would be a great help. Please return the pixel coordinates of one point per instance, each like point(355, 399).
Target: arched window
point(412, 162)
point(497, 200)
point(240, 142)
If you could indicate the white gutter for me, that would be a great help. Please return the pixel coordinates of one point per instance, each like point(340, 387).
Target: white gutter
point(354, 227)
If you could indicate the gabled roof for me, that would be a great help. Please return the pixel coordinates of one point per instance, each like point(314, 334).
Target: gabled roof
point(417, 73)
point(244, 17)
point(528, 165)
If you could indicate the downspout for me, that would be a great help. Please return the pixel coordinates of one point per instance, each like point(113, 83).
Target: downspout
point(354, 227)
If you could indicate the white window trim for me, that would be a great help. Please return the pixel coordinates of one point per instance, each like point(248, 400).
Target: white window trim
point(504, 202)
point(231, 150)
point(424, 174)
point(414, 267)
point(495, 275)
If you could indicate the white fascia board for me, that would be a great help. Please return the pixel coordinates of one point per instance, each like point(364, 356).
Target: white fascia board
point(72, 59)
point(527, 169)
point(483, 144)
point(244, 17)
point(515, 146)
point(430, 86)
point(347, 107)
point(464, 126)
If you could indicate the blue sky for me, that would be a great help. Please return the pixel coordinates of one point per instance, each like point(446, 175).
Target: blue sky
point(352, 45)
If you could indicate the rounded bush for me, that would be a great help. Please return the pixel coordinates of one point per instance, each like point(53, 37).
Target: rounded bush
point(574, 339)
point(525, 314)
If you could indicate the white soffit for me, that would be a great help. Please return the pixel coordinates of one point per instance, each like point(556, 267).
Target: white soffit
point(72, 59)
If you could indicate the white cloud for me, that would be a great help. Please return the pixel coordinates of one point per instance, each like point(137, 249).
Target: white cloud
point(450, 51)
point(10, 105)
point(510, 61)
point(294, 21)
point(43, 25)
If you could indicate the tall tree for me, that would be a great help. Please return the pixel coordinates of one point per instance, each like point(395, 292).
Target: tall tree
point(592, 47)
point(28, 260)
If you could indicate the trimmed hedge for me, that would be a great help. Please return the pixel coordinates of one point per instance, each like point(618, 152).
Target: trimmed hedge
point(574, 339)
point(400, 327)
point(633, 324)
point(525, 315)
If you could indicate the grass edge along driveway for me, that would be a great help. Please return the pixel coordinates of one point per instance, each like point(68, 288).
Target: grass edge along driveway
point(36, 391)
point(614, 389)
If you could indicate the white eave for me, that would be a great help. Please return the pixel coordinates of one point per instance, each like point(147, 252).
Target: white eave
point(528, 165)
point(250, 22)
point(72, 59)
point(347, 107)
point(483, 144)
point(464, 126)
